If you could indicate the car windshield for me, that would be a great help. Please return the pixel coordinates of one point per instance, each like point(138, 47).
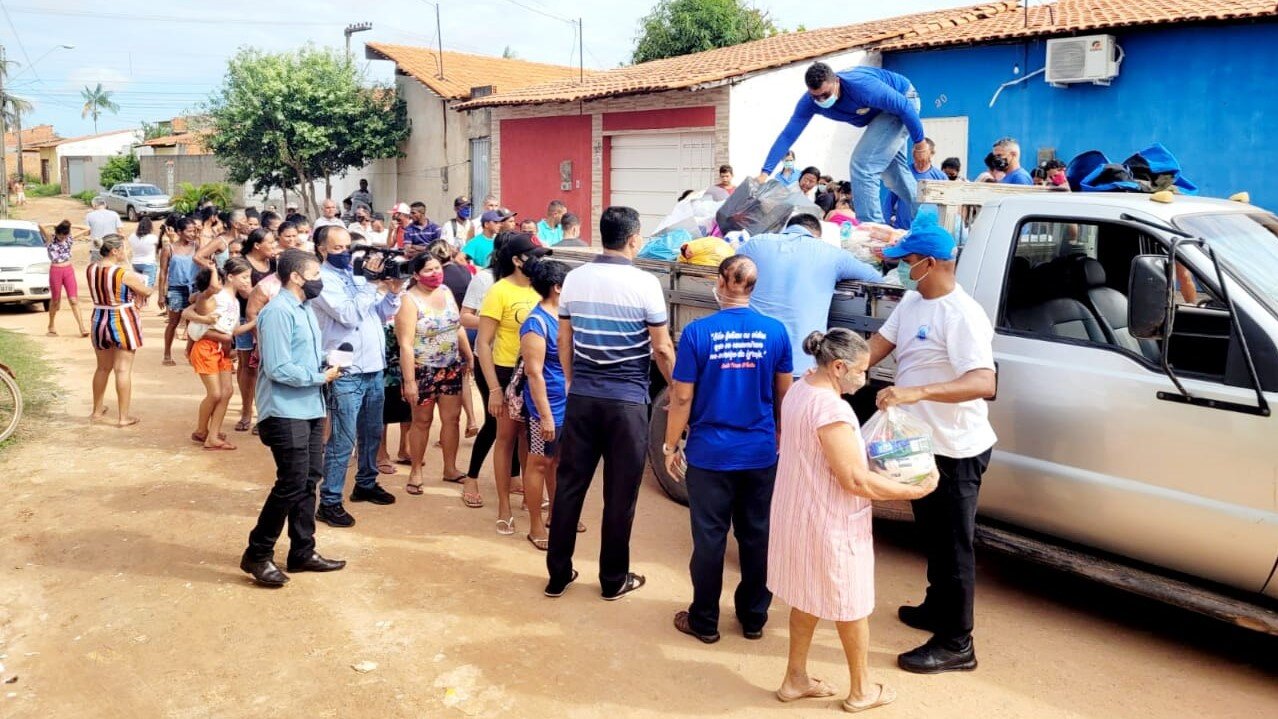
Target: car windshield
point(144, 190)
point(1249, 245)
point(20, 237)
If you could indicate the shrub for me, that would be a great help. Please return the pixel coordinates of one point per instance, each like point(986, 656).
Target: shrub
point(49, 190)
point(120, 168)
point(190, 197)
point(86, 197)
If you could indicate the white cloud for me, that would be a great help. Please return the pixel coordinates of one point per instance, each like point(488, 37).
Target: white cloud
point(110, 78)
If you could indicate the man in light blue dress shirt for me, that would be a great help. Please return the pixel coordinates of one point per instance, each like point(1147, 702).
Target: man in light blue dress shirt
point(290, 408)
point(351, 310)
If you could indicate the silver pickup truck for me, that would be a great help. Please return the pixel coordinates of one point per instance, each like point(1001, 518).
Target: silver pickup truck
point(1137, 353)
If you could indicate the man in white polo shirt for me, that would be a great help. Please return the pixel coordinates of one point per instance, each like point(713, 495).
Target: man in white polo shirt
point(613, 320)
point(945, 372)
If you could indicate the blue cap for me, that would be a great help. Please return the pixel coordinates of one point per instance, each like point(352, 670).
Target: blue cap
point(497, 216)
point(925, 238)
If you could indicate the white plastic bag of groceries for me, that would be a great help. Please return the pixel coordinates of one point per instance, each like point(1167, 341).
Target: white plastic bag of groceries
point(899, 446)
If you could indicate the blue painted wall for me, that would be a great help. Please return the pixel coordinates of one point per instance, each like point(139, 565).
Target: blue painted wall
point(1209, 93)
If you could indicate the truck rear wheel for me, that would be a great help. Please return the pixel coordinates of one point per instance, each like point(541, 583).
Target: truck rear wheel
point(657, 437)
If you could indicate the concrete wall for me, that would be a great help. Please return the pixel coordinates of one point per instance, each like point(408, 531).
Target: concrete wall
point(113, 144)
point(1206, 92)
point(761, 105)
point(436, 165)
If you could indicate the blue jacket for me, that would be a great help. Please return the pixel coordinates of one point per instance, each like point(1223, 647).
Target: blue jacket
point(864, 92)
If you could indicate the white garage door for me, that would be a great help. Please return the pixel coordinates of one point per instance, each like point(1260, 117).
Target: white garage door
point(650, 171)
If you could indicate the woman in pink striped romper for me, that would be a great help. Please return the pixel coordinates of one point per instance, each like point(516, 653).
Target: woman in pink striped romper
point(820, 551)
point(116, 327)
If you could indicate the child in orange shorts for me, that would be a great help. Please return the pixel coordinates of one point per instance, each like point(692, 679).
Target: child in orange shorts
point(213, 318)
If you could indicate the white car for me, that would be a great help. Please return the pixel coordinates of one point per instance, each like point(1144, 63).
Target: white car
point(24, 263)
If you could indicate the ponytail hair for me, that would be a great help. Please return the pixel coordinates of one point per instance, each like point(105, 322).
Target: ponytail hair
point(837, 344)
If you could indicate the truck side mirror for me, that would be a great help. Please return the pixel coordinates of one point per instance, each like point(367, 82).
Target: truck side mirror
point(1149, 303)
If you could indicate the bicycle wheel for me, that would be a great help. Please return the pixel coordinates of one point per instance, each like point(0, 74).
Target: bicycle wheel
point(10, 404)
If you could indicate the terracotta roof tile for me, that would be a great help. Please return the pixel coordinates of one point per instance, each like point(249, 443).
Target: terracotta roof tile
point(1071, 16)
point(719, 65)
point(463, 71)
point(195, 139)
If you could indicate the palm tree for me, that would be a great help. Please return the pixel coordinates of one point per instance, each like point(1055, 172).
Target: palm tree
point(96, 101)
point(14, 108)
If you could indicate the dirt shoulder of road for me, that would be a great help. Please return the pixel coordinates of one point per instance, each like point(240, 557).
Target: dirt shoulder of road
point(120, 596)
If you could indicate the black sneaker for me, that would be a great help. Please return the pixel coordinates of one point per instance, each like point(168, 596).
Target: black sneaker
point(334, 515)
point(557, 590)
point(374, 494)
point(936, 657)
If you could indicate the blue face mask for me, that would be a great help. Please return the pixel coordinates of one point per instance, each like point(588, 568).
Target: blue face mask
point(464, 212)
point(828, 102)
point(340, 260)
point(903, 271)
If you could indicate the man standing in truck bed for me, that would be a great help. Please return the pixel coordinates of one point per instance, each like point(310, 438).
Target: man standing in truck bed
point(887, 106)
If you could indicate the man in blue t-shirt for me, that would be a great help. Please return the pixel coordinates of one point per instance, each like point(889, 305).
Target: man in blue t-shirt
point(797, 275)
point(1010, 150)
point(887, 106)
point(731, 372)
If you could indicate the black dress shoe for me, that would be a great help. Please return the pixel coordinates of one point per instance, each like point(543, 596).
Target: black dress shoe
point(935, 657)
point(334, 515)
point(917, 617)
point(316, 563)
point(374, 494)
point(264, 572)
point(752, 634)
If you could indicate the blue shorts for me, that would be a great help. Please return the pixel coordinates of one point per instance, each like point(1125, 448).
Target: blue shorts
point(147, 271)
point(178, 298)
point(244, 342)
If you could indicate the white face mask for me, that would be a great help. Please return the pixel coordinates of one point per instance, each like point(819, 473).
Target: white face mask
point(848, 382)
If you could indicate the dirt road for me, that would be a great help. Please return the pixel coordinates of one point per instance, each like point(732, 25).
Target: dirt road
point(120, 597)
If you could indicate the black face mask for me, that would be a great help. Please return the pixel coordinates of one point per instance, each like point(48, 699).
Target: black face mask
point(312, 288)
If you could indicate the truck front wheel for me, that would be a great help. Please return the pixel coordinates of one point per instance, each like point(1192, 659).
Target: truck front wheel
point(657, 437)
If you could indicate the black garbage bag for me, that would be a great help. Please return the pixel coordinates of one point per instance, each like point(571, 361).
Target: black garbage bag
point(762, 208)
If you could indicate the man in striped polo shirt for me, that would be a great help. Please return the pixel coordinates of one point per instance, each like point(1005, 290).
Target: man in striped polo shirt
point(614, 322)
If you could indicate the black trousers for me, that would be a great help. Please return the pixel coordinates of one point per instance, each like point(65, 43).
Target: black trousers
point(946, 521)
point(488, 432)
point(615, 432)
point(298, 448)
point(741, 499)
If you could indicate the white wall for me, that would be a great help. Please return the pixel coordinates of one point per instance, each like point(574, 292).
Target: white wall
point(761, 105)
point(113, 144)
point(382, 182)
point(435, 168)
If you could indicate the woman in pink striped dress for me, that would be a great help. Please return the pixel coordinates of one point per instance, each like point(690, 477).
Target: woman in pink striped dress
point(820, 551)
point(116, 327)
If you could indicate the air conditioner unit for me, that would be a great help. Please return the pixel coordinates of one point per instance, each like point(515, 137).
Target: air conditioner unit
point(1090, 58)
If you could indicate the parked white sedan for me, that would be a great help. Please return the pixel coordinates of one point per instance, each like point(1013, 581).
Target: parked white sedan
point(24, 263)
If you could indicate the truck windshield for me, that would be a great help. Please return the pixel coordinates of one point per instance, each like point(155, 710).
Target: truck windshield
point(144, 190)
point(1247, 243)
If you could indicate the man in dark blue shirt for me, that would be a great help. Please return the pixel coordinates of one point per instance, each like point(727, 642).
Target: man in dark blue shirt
point(731, 372)
point(882, 102)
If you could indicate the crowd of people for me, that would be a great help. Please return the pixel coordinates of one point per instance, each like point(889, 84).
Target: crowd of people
point(337, 329)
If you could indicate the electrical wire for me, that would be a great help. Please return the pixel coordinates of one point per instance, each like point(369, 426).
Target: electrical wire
point(172, 18)
point(18, 37)
point(543, 13)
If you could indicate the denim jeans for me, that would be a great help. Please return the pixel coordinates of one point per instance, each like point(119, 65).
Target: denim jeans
point(883, 155)
point(355, 417)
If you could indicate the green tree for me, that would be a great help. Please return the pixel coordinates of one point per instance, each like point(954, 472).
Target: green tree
point(680, 27)
point(289, 119)
point(120, 168)
point(190, 197)
point(152, 130)
point(97, 101)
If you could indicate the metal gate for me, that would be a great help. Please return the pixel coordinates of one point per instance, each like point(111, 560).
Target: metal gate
point(479, 180)
point(75, 175)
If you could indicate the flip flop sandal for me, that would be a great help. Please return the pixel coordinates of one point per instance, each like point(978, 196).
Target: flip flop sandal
point(506, 527)
point(413, 489)
point(818, 689)
point(169, 363)
point(196, 438)
point(472, 431)
point(581, 528)
point(243, 425)
point(886, 696)
point(455, 480)
point(227, 446)
point(542, 544)
point(255, 430)
point(386, 468)
point(474, 500)
point(404, 461)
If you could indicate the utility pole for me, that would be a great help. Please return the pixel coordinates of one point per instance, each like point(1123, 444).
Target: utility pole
point(439, 33)
point(4, 145)
point(351, 30)
point(581, 51)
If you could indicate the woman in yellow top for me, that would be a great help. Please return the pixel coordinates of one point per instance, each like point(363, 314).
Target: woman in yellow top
point(505, 308)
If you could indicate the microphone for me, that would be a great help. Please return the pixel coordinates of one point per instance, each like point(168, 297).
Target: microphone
point(342, 357)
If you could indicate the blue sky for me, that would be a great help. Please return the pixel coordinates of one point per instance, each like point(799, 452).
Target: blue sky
point(162, 59)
